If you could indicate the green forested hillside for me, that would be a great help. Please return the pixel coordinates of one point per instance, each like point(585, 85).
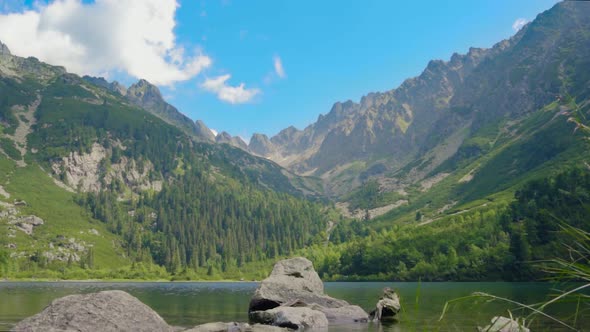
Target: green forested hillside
point(160, 202)
point(498, 241)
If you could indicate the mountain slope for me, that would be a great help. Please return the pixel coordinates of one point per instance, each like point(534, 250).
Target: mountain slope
point(431, 118)
point(108, 184)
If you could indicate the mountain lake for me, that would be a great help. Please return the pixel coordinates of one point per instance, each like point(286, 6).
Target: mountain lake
point(192, 303)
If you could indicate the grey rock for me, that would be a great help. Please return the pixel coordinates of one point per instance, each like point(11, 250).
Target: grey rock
point(106, 311)
point(297, 318)
point(235, 327)
point(344, 314)
point(267, 328)
point(293, 293)
point(221, 327)
point(387, 307)
point(292, 280)
point(504, 324)
point(27, 223)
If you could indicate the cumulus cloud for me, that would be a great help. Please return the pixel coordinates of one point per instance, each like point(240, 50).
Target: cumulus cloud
point(131, 36)
point(231, 94)
point(519, 23)
point(278, 64)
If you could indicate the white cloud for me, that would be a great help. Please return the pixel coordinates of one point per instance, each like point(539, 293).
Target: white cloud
point(132, 36)
point(519, 23)
point(231, 94)
point(279, 70)
point(214, 132)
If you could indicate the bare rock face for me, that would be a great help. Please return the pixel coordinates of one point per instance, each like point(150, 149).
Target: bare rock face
point(293, 293)
point(387, 307)
point(106, 311)
point(261, 145)
point(235, 141)
point(4, 49)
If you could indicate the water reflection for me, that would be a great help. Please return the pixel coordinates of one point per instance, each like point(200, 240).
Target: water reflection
point(189, 304)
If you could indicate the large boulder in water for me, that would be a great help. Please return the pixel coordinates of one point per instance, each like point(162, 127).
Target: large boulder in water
point(292, 280)
point(293, 283)
point(387, 307)
point(107, 311)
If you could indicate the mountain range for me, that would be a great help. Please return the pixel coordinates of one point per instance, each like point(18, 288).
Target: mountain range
point(108, 178)
point(431, 118)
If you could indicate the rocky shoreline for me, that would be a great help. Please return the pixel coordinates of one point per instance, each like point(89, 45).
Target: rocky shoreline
point(292, 298)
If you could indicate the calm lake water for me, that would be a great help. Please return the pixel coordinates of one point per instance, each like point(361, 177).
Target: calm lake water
point(189, 304)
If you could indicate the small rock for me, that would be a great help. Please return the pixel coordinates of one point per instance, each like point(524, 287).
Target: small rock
point(267, 328)
point(504, 324)
point(235, 327)
point(296, 318)
point(27, 224)
point(221, 327)
point(18, 202)
point(344, 314)
point(387, 307)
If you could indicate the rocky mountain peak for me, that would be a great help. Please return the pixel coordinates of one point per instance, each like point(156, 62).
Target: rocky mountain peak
point(146, 91)
point(235, 141)
point(4, 49)
point(148, 96)
point(110, 86)
point(204, 131)
point(261, 145)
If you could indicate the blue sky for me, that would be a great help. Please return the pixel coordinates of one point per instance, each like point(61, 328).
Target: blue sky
point(330, 51)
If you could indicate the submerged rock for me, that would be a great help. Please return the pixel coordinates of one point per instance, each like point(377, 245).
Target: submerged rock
point(345, 314)
point(387, 307)
point(234, 327)
point(296, 318)
point(504, 324)
point(106, 311)
point(294, 288)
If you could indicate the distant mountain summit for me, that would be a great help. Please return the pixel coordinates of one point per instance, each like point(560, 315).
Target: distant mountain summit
point(4, 49)
point(148, 96)
point(236, 141)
